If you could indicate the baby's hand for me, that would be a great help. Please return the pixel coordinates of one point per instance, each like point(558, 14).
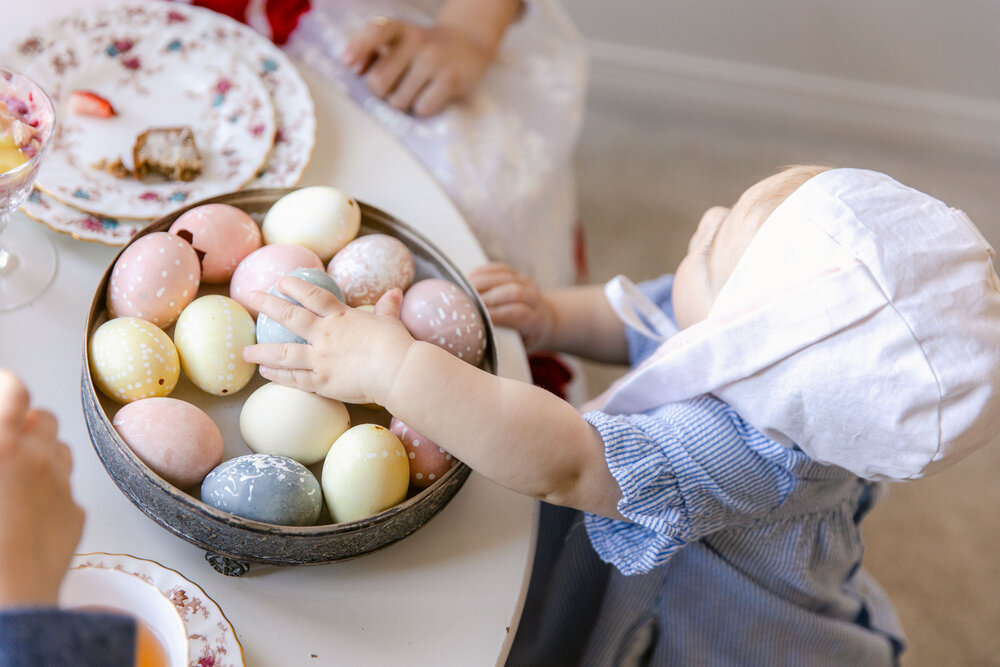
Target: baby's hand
point(351, 355)
point(416, 68)
point(514, 300)
point(40, 524)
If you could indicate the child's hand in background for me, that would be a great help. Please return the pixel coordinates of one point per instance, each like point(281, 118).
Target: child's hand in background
point(514, 300)
point(40, 524)
point(423, 69)
point(351, 356)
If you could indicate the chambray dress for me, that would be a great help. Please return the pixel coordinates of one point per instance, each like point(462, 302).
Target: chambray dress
point(46, 637)
point(739, 551)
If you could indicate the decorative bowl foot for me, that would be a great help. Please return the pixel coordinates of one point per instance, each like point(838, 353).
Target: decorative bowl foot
point(226, 565)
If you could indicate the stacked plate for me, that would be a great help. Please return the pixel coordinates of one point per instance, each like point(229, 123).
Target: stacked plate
point(160, 65)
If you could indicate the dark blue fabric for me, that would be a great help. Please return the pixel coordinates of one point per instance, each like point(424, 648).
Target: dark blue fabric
point(43, 637)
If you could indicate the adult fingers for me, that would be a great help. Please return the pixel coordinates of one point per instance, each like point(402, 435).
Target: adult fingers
point(364, 48)
point(390, 303)
point(14, 403)
point(278, 355)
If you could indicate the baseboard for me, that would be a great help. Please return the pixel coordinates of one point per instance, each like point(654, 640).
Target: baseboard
point(654, 78)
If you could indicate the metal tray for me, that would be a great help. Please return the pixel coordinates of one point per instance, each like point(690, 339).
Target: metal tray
point(232, 543)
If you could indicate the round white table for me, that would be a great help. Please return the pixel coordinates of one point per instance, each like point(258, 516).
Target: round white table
point(449, 594)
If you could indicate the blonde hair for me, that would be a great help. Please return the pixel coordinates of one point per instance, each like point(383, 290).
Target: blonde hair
point(788, 179)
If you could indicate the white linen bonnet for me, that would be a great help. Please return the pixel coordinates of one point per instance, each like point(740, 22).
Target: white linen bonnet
point(862, 324)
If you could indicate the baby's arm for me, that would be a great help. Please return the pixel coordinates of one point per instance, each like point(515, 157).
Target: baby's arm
point(423, 69)
point(576, 320)
point(518, 435)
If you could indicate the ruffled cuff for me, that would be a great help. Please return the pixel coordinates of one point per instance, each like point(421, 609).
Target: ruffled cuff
point(651, 499)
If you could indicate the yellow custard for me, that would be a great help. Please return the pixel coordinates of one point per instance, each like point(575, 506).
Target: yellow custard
point(10, 155)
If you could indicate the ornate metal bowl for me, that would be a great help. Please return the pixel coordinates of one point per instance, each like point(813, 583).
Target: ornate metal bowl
point(232, 542)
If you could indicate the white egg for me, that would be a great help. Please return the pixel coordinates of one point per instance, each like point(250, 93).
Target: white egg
point(285, 421)
point(321, 218)
point(210, 336)
point(366, 471)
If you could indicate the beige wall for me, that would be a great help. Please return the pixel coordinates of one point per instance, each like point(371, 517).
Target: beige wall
point(934, 46)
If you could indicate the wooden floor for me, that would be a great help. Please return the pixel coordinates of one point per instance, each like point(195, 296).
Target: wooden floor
point(645, 176)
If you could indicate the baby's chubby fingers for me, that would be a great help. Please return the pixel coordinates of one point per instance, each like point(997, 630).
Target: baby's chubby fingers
point(364, 47)
point(290, 356)
point(14, 402)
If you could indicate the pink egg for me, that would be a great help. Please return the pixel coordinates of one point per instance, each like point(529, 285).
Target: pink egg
point(264, 266)
point(224, 233)
point(178, 440)
point(428, 462)
point(154, 278)
point(439, 312)
point(369, 266)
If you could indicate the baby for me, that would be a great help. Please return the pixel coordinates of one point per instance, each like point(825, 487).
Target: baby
point(832, 328)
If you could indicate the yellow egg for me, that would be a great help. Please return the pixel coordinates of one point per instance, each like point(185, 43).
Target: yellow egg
point(365, 471)
point(210, 335)
point(131, 359)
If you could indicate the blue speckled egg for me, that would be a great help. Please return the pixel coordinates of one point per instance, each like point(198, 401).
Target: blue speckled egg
point(269, 331)
point(272, 489)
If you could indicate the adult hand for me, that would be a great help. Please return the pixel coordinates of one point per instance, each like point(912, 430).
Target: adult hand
point(40, 524)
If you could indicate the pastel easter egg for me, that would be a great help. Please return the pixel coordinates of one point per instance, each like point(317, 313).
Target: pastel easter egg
point(154, 278)
point(439, 312)
point(269, 331)
point(371, 265)
point(223, 233)
point(262, 487)
point(210, 336)
point(131, 358)
point(365, 472)
point(320, 217)
point(286, 421)
point(261, 269)
point(428, 462)
point(178, 440)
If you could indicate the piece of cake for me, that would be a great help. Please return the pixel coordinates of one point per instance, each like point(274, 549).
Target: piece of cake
point(168, 151)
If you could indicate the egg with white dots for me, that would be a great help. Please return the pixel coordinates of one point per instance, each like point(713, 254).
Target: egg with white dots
point(365, 472)
point(131, 358)
point(263, 267)
point(154, 278)
point(210, 336)
point(428, 462)
point(267, 488)
point(371, 265)
point(320, 217)
point(439, 312)
point(269, 331)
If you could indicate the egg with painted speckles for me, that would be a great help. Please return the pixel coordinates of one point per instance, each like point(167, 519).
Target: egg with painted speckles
point(439, 312)
point(223, 233)
point(320, 217)
point(428, 462)
point(269, 331)
point(365, 472)
point(210, 336)
point(263, 267)
point(371, 265)
point(131, 358)
point(263, 487)
point(154, 278)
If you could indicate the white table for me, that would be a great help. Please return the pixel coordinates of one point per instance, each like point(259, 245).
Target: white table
point(449, 594)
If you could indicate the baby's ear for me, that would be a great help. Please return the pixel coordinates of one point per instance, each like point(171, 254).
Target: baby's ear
point(390, 303)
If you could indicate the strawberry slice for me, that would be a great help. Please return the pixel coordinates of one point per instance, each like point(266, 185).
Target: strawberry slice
point(87, 103)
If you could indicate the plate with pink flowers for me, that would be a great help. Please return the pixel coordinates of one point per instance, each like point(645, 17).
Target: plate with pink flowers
point(141, 80)
point(114, 30)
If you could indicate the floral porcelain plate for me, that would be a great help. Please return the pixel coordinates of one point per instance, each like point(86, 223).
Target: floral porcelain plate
point(153, 79)
point(211, 640)
point(295, 135)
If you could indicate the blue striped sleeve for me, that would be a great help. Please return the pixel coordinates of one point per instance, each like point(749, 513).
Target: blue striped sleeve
point(686, 470)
